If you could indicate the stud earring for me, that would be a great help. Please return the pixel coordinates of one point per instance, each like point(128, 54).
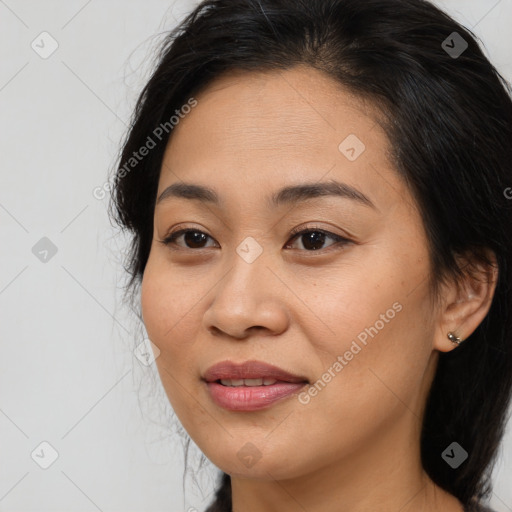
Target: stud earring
point(454, 339)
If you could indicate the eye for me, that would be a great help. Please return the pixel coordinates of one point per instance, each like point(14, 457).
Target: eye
point(313, 238)
point(195, 239)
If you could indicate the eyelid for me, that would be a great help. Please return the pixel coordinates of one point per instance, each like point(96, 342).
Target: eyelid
point(314, 227)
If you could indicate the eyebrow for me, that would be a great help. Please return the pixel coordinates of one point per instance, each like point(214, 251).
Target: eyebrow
point(287, 195)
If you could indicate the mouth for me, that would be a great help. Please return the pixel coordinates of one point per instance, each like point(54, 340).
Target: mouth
point(251, 386)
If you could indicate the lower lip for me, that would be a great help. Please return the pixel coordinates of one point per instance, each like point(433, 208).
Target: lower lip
point(251, 398)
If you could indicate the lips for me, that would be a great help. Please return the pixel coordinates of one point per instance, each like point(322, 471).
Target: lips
point(249, 370)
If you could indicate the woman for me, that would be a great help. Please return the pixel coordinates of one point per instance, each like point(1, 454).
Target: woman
point(319, 198)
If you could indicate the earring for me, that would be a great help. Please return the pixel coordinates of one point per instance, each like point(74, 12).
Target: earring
point(454, 338)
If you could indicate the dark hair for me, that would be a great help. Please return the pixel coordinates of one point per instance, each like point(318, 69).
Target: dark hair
point(449, 120)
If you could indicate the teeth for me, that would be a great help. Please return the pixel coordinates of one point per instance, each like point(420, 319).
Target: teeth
point(248, 382)
point(232, 382)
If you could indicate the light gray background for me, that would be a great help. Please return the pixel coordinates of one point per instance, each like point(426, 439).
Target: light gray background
point(68, 375)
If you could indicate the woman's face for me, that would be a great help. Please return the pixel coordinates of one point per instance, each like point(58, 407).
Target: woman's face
point(351, 317)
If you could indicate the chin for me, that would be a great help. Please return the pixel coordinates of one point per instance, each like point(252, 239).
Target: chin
point(265, 468)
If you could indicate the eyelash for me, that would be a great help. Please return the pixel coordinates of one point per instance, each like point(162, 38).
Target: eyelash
point(294, 234)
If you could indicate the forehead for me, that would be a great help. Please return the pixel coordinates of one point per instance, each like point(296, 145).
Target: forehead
point(275, 111)
point(268, 129)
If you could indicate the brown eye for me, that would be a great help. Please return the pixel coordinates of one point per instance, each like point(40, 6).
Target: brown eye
point(193, 238)
point(314, 239)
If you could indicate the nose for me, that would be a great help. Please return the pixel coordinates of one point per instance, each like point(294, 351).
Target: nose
point(249, 298)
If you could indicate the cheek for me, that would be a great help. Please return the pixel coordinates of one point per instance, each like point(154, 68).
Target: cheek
point(167, 302)
point(169, 324)
point(366, 386)
point(359, 299)
point(374, 342)
point(155, 301)
point(164, 313)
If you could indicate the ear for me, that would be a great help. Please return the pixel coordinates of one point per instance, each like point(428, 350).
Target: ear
point(465, 303)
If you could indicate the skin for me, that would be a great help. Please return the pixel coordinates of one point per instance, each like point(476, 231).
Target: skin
point(355, 445)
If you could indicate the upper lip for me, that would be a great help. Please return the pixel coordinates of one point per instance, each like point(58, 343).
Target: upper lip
point(249, 370)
